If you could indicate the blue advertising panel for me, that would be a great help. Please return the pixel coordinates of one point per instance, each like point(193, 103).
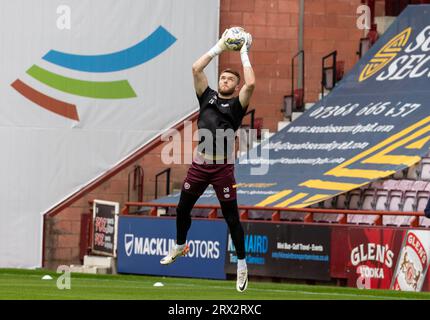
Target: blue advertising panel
point(376, 121)
point(143, 241)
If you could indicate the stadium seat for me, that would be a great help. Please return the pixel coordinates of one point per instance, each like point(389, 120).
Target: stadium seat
point(362, 219)
point(410, 189)
point(422, 199)
point(378, 184)
point(363, 199)
point(353, 203)
point(390, 184)
point(409, 201)
point(367, 201)
point(353, 199)
point(405, 185)
point(395, 198)
point(409, 205)
point(293, 216)
point(381, 200)
point(424, 169)
point(340, 201)
point(170, 212)
point(316, 205)
point(412, 172)
point(420, 185)
point(327, 204)
point(259, 215)
point(327, 218)
point(200, 213)
point(399, 175)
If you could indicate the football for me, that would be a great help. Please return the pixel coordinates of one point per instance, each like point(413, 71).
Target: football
point(234, 38)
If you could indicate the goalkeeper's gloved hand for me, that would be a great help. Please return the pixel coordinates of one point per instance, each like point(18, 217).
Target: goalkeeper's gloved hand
point(247, 45)
point(245, 49)
point(221, 41)
point(219, 47)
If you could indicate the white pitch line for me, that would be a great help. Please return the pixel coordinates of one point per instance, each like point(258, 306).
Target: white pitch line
point(304, 292)
point(225, 287)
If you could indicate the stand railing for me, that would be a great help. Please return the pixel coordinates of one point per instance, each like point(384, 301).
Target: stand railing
point(328, 77)
point(275, 212)
point(167, 172)
point(295, 101)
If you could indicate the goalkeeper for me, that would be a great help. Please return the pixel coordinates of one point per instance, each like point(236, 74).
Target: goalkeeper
point(220, 111)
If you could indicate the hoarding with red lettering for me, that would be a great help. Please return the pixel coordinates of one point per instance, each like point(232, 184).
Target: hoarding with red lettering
point(381, 258)
point(413, 262)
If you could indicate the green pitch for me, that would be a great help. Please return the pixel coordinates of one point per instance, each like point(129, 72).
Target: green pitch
point(28, 284)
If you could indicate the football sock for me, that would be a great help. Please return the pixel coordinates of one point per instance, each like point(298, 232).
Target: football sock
point(231, 216)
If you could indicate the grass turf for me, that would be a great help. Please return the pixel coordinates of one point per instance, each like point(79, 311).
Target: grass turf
point(18, 284)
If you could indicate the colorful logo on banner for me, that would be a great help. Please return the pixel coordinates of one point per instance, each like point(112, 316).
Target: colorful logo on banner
point(366, 257)
point(386, 54)
point(413, 262)
point(128, 244)
point(381, 258)
point(147, 49)
point(372, 260)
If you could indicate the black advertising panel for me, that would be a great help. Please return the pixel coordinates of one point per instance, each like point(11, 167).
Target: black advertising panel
point(284, 250)
point(105, 225)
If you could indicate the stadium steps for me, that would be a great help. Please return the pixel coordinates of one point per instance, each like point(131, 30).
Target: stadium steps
point(95, 265)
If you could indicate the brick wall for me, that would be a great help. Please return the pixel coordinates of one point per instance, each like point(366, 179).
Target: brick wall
point(274, 28)
point(329, 25)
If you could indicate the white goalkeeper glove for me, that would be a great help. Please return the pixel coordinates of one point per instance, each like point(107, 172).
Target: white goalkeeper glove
point(245, 49)
point(219, 47)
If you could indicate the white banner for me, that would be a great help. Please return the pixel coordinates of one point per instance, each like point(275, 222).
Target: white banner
point(83, 84)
